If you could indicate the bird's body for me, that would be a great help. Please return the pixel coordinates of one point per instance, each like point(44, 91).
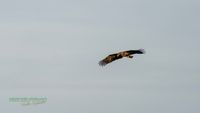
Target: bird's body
point(120, 55)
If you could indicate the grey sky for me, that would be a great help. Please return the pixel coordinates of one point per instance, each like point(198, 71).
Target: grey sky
point(51, 48)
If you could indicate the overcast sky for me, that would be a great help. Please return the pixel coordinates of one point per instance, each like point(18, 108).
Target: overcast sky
point(51, 48)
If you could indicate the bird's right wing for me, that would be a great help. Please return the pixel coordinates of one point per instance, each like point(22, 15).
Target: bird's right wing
point(139, 51)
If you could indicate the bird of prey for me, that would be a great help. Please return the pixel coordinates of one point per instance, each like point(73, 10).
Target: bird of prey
point(116, 56)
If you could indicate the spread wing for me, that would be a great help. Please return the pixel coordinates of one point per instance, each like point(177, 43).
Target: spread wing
point(119, 55)
point(109, 59)
point(139, 51)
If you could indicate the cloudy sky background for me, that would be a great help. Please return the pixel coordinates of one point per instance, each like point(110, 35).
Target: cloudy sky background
point(51, 48)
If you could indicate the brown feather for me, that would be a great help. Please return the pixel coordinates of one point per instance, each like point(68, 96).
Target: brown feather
point(113, 57)
point(109, 59)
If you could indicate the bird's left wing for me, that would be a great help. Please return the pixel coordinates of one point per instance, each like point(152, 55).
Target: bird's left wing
point(109, 59)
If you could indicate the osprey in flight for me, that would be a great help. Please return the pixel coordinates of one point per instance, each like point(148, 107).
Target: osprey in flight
point(116, 56)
